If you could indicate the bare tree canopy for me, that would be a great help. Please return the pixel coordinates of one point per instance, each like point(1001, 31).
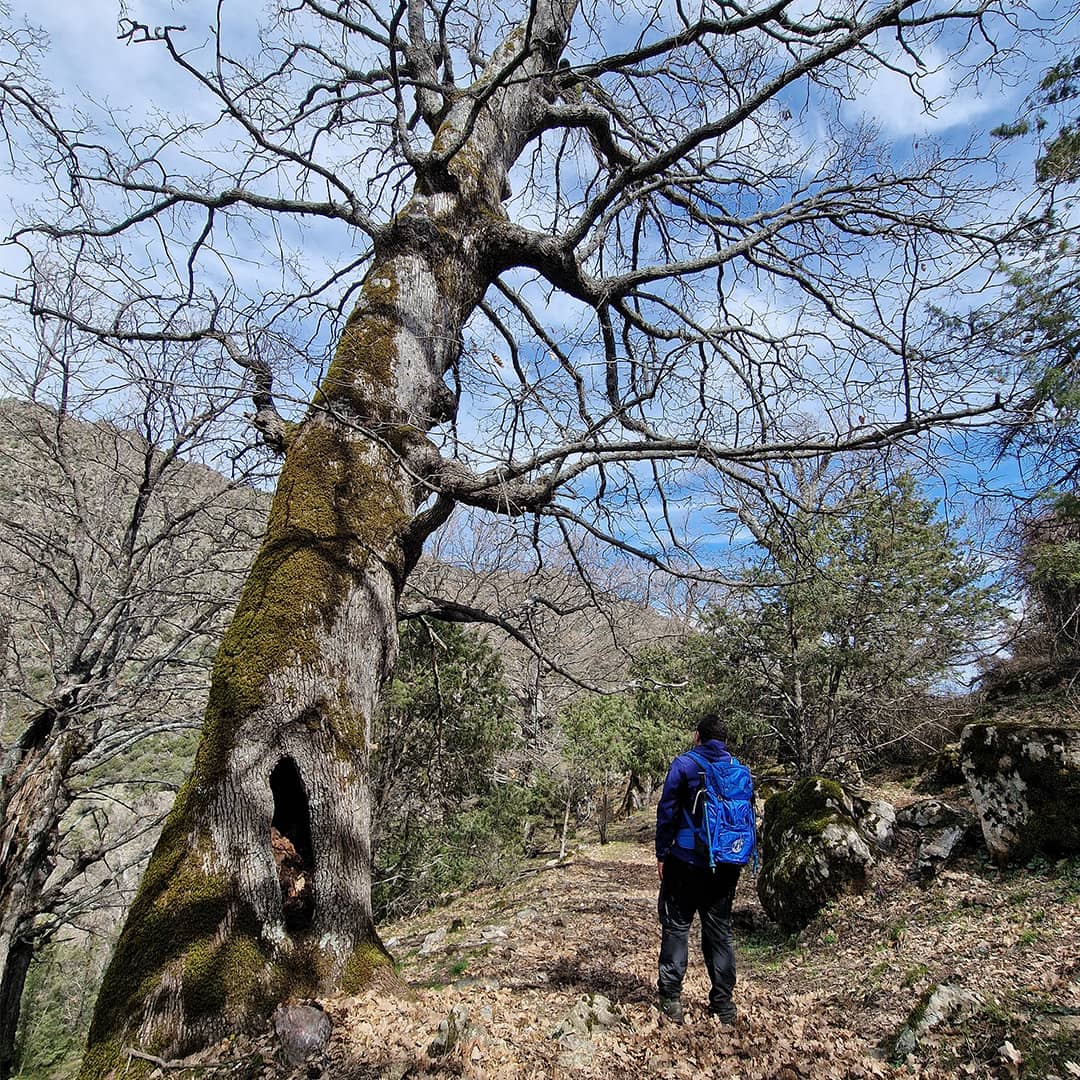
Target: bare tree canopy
point(599, 262)
point(691, 252)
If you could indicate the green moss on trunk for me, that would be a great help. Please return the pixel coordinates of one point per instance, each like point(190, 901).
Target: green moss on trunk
point(332, 512)
point(361, 965)
point(361, 375)
point(177, 911)
point(340, 510)
point(338, 504)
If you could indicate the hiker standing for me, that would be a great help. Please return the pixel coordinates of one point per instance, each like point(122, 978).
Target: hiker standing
point(704, 835)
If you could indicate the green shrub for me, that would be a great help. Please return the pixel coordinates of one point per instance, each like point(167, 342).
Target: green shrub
point(445, 815)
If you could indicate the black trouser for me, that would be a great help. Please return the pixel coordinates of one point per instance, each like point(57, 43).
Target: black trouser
point(685, 890)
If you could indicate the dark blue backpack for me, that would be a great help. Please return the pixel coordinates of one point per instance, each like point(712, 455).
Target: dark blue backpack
point(721, 821)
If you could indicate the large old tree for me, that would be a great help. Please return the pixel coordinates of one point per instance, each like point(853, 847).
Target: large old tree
point(605, 260)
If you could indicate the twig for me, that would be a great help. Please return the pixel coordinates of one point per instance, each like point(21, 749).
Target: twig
point(186, 1063)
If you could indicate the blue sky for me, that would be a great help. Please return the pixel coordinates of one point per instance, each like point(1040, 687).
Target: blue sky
point(136, 81)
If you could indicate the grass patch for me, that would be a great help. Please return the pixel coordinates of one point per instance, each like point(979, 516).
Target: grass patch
point(453, 968)
point(914, 975)
point(766, 947)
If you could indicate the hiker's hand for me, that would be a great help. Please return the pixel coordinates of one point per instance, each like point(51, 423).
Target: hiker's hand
point(660, 869)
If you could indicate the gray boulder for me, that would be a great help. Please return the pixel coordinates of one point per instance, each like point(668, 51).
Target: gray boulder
point(937, 852)
point(590, 1015)
point(927, 813)
point(593, 1012)
point(812, 851)
point(456, 1029)
point(1025, 782)
point(877, 820)
point(434, 941)
point(949, 830)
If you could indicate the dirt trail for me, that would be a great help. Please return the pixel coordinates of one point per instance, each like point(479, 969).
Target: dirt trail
point(517, 961)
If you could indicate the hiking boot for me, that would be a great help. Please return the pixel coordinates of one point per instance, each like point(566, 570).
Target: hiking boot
point(725, 1013)
point(671, 1009)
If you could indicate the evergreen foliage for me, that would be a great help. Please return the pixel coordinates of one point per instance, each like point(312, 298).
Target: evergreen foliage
point(1050, 561)
point(445, 813)
point(59, 1003)
point(1035, 331)
point(857, 612)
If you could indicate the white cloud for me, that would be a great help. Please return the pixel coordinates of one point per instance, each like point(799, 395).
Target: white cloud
point(85, 51)
point(890, 99)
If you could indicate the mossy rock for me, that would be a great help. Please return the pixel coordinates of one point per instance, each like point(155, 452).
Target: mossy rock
point(1025, 782)
point(942, 1005)
point(812, 851)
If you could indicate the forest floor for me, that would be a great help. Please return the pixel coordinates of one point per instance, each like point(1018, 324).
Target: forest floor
point(514, 962)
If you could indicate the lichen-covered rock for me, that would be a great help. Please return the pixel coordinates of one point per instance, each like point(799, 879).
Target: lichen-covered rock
point(946, 1003)
point(457, 1028)
point(812, 851)
point(936, 853)
point(950, 831)
point(877, 821)
point(1025, 782)
point(592, 1013)
point(434, 941)
point(928, 813)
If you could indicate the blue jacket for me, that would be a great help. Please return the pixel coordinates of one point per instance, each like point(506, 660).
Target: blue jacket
point(683, 780)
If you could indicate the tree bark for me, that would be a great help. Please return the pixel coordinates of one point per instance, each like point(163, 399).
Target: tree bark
point(207, 947)
point(18, 953)
point(32, 805)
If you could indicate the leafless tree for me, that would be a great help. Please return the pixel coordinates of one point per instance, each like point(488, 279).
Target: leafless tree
point(564, 620)
point(592, 253)
point(120, 558)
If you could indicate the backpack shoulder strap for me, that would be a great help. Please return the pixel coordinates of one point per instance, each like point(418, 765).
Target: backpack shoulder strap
point(691, 811)
point(703, 763)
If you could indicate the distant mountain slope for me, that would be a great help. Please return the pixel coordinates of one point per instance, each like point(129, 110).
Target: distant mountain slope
point(87, 541)
point(588, 631)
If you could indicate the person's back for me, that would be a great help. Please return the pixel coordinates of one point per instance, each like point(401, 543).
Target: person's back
point(689, 885)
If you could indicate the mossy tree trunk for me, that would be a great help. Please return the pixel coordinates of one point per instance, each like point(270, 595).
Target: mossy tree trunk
point(211, 942)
